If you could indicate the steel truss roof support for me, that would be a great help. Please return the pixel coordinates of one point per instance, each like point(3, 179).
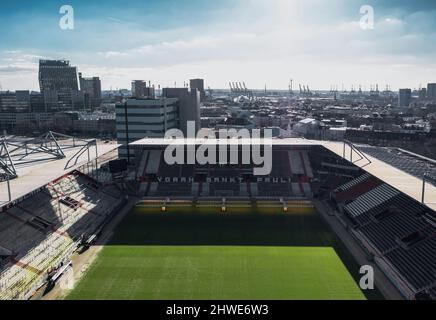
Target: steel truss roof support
point(53, 144)
point(6, 163)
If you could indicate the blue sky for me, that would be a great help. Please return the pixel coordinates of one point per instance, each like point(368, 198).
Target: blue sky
point(314, 42)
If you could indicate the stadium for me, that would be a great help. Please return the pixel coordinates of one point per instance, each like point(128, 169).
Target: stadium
point(74, 229)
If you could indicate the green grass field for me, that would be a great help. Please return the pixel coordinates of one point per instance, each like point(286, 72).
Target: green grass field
point(218, 256)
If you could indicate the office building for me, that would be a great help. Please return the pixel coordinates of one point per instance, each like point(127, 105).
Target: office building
point(18, 101)
point(189, 105)
point(140, 118)
point(37, 103)
point(57, 75)
point(422, 93)
point(404, 97)
point(91, 88)
point(27, 121)
point(431, 91)
point(95, 123)
point(141, 90)
point(199, 85)
point(59, 85)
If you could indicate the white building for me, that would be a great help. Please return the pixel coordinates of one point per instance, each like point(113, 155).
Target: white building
point(307, 126)
point(140, 118)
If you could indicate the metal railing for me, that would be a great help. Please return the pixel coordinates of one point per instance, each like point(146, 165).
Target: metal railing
point(354, 150)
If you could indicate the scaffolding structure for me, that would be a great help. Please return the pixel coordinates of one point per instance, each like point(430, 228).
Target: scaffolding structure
point(48, 146)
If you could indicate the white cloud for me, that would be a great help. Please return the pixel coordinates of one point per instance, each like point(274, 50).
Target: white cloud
point(393, 21)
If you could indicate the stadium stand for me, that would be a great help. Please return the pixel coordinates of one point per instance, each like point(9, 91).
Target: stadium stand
point(254, 190)
point(362, 206)
point(409, 261)
point(236, 180)
point(432, 293)
point(40, 233)
point(406, 161)
point(230, 189)
point(154, 160)
point(394, 228)
point(296, 163)
point(205, 189)
point(355, 188)
point(140, 170)
point(297, 189)
point(175, 189)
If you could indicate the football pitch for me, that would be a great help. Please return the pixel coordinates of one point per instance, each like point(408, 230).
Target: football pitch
point(218, 256)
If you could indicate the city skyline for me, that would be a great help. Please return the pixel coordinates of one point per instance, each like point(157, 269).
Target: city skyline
point(259, 42)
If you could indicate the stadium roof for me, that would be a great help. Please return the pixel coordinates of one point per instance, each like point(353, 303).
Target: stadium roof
point(191, 141)
point(404, 182)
